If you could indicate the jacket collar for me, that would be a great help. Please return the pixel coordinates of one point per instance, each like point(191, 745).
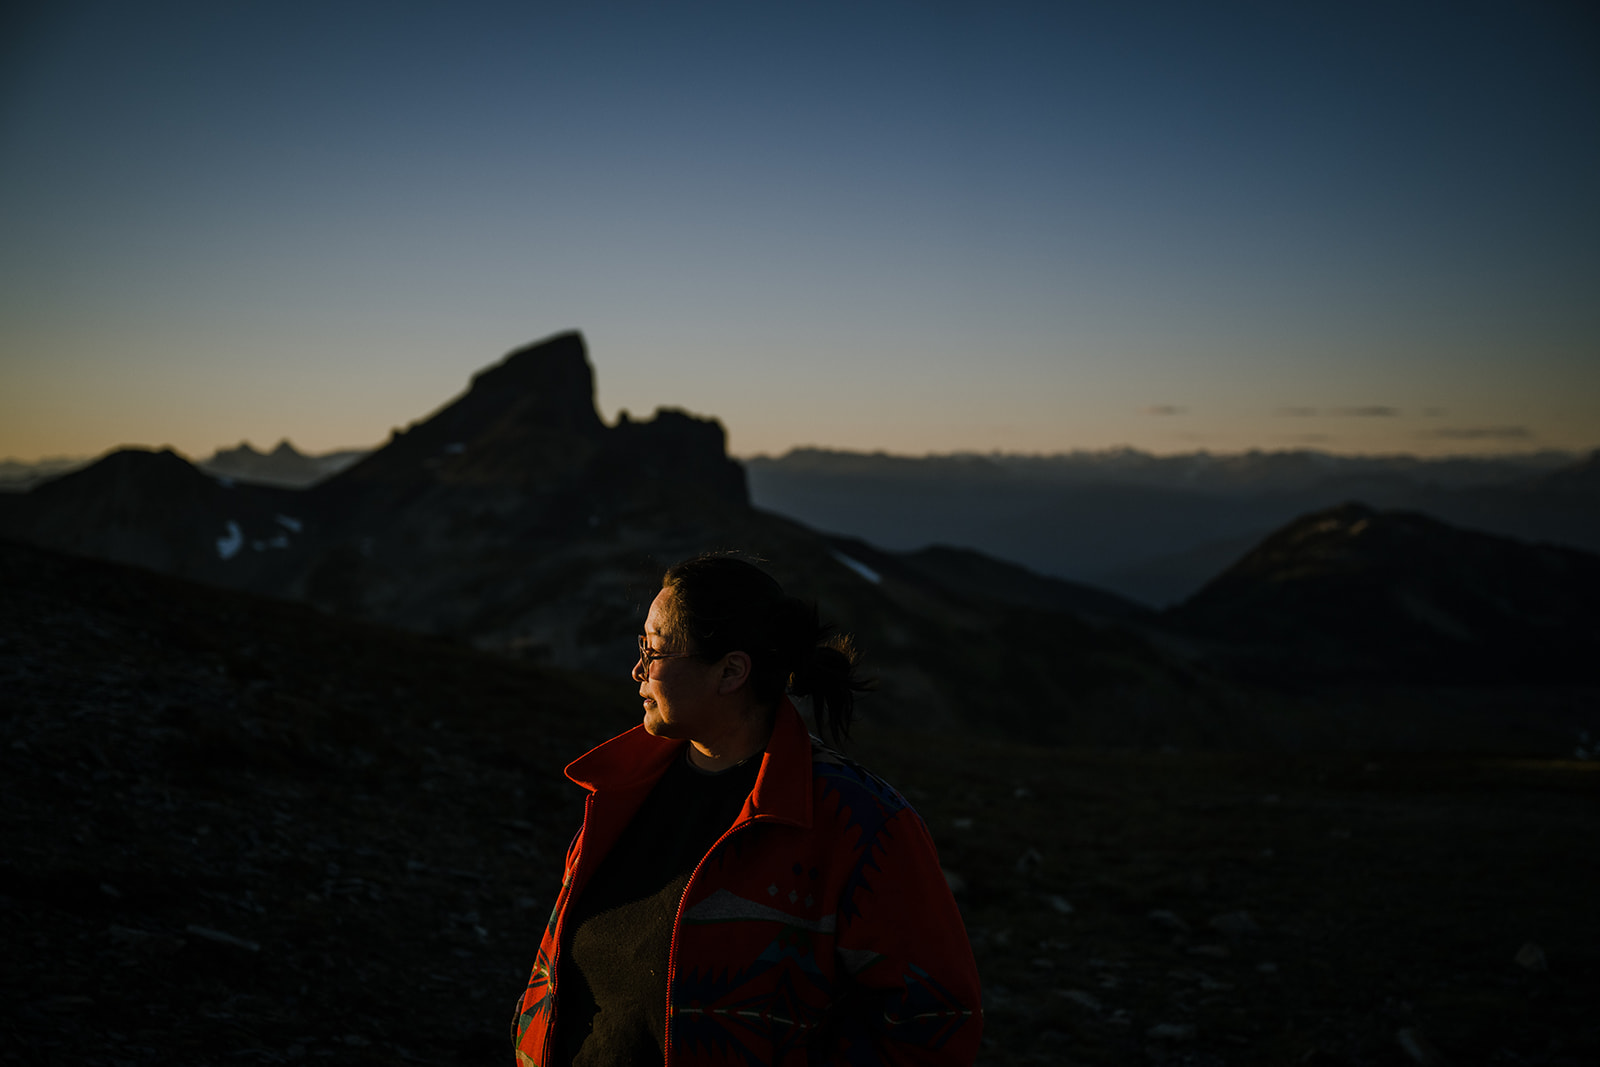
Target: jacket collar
point(637, 760)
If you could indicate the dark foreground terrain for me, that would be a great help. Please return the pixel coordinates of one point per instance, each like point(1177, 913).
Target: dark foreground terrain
point(239, 831)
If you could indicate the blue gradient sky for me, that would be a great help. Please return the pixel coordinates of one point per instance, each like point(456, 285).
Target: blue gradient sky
point(909, 227)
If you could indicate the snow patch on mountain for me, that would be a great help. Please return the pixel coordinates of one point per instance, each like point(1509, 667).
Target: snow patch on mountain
point(228, 544)
point(860, 568)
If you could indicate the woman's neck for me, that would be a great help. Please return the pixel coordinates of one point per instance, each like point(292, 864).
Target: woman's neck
point(746, 739)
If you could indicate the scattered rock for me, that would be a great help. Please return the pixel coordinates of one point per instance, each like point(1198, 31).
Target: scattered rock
point(1319, 1058)
point(1080, 998)
point(1415, 1044)
point(1049, 1040)
point(957, 883)
point(1029, 861)
point(1169, 920)
point(1218, 952)
point(1170, 1032)
point(1235, 924)
point(144, 941)
point(221, 938)
point(1059, 903)
point(68, 1002)
point(1531, 957)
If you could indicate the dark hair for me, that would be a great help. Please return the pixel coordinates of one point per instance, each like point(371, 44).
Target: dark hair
point(723, 603)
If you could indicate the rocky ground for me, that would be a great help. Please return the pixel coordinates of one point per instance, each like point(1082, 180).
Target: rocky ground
point(1252, 909)
point(238, 831)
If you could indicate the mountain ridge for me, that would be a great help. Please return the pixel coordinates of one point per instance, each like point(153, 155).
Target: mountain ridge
point(544, 535)
point(514, 520)
point(1354, 593)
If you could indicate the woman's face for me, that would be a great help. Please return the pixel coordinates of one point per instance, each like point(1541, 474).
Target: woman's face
point(679, 694)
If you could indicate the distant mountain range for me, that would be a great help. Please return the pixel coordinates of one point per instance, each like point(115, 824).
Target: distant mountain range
point(515, 520)
point(17, 476)
point(1156, 528)
point(1152, 529)
point(285, 466)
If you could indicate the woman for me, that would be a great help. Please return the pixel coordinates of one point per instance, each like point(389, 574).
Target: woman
point(739, 893)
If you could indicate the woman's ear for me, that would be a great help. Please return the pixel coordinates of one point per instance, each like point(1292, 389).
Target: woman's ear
point(735, 672)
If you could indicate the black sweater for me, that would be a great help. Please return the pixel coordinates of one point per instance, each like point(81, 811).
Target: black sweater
point(612, 1008)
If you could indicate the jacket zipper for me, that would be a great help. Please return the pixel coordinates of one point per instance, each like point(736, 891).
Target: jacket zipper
point(677, 921)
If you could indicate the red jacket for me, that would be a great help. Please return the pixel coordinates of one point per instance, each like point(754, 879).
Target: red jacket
point(819, 928)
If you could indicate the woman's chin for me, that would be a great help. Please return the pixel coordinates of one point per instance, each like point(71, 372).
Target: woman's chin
point(654, 724)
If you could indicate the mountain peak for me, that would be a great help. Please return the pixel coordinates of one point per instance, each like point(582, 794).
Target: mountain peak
point(556, 370)
point(527, 415)
point(150, 466)
point(545, 386)
point(241, 452)
point(529, 423)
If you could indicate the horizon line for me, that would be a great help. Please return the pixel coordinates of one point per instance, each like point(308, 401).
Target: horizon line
point(994, 453)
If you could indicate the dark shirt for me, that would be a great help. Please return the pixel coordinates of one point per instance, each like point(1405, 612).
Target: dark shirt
point(618, 934)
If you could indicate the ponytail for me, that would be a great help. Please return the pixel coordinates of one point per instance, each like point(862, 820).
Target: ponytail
point(827, 674)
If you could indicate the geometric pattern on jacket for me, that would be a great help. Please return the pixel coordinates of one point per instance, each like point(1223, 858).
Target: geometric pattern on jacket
point(818, 928)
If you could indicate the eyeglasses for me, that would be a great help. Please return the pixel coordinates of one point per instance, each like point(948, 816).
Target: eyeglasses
point(650, 655)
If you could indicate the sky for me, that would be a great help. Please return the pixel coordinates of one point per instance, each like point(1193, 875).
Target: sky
point(878, 226)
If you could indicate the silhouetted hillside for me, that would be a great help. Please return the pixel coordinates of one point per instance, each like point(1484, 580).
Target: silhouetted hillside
point(988, 580)
point(156, 510)
point(1352, 594)
point(1581, 478)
